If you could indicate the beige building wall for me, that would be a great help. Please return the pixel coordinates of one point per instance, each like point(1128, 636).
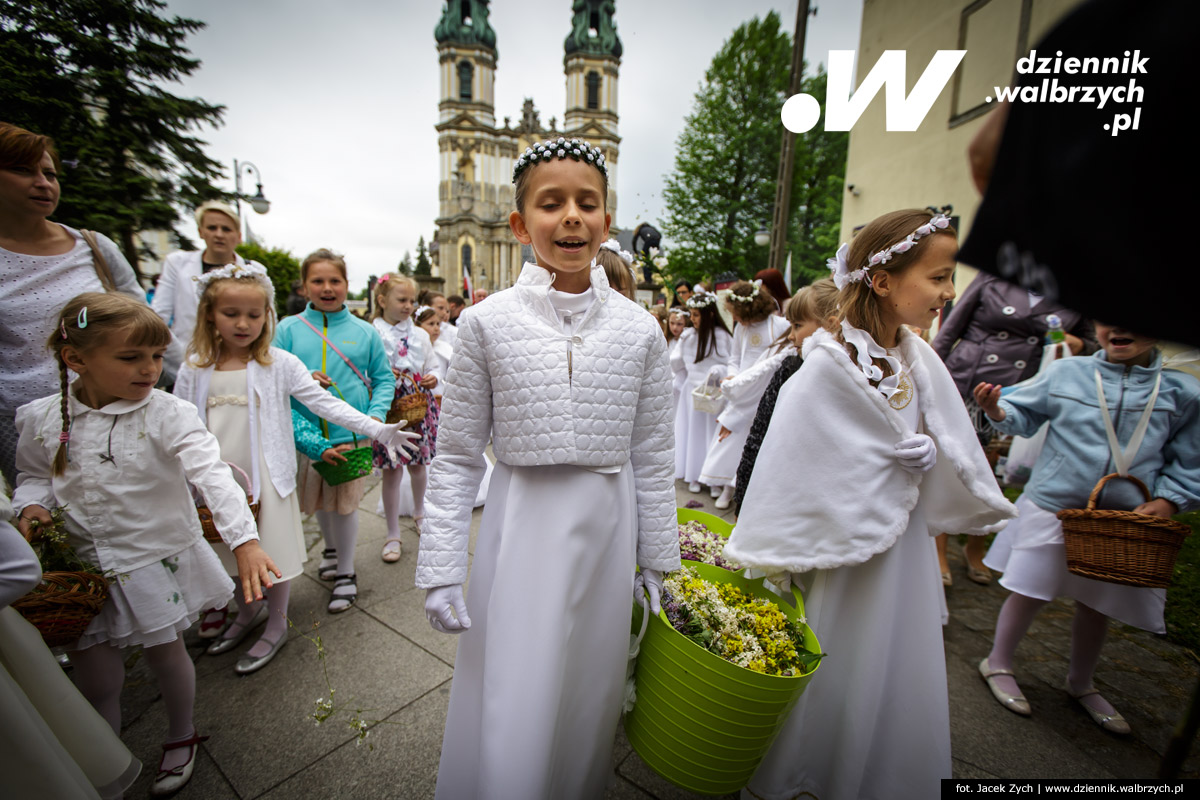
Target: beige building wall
point(928, 167)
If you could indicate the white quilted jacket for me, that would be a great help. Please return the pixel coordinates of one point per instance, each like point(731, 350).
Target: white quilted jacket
point(596, 398)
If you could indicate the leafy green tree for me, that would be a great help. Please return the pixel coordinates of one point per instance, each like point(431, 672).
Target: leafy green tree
point(423, 267)
point(282, 267)
point(95, 77)
point(722, 189)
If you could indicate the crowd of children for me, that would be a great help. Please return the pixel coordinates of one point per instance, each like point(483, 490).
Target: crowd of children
point(840, 438)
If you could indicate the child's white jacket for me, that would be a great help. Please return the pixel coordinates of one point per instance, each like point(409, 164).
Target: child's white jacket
point(272, 386)
point(126, 486)
point(827, 489)
point(596, 399)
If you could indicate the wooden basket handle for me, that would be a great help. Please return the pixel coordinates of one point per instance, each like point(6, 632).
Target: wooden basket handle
point(1091, 503)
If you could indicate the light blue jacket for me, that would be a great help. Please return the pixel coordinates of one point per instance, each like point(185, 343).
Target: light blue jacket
point(1077, 454)
point(360, 343)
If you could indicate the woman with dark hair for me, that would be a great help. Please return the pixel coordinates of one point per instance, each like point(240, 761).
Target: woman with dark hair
point(42, 265)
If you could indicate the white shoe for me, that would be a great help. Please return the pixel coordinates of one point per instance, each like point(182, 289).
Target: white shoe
point(726, 498)
point(169, 781)
point(694, 486)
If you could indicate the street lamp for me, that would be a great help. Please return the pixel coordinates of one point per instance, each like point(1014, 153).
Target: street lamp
point(763, 237)
point(258, 202)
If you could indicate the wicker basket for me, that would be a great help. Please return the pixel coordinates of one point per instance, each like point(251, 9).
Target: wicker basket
point(63, 604)
point(411, 408)
point(358, 464)
point(1121, 546)
point(206, 520)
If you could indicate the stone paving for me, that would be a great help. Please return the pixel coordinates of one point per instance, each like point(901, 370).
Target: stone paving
point(383, 657)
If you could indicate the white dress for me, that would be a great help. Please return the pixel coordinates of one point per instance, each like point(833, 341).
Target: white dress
point(875, 720)
point(694, 430)
point(750, 344)
point(280, 527)
point(538, 678)
point(1031, 554)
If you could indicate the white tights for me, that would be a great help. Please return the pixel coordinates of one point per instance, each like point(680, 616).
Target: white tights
point(1088, 631)
point(100, 676)
point(341, 534)
point(391, 495)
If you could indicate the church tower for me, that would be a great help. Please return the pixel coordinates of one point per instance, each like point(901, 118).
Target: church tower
point(592, 63)
point(476, 154)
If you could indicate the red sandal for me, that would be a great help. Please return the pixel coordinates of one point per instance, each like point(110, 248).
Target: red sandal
point(170, 781)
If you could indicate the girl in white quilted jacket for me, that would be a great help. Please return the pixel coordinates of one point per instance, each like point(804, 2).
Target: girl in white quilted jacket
point(571, 381)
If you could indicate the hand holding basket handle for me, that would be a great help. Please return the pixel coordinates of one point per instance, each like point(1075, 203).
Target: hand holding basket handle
point(648, 582)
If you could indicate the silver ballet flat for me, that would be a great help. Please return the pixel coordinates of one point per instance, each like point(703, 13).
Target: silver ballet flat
point(247, 664)
point(1015, 703)
point(227, 643)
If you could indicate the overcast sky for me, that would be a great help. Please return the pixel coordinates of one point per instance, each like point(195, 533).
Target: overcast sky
point(336, 103)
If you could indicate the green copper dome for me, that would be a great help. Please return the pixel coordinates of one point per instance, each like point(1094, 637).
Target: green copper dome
point(592, 29)
point(465, 22)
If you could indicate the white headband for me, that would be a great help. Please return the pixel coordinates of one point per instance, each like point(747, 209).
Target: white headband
point(841, 270)
point(237, 272)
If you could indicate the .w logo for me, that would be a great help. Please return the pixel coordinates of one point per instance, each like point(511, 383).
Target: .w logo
point(801, 112)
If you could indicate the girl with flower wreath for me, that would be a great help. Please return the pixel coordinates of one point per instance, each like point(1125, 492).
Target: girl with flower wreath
point(873, 429)
point(410, 352)
point(756, 328)
point(241, 385)
point(705, 348)
point(571, 381)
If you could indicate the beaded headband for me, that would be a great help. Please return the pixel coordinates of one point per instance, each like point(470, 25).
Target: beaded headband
point(747, 298)
point(612, 244)
point(841, 270)
point(576, 149)
point(701, 299)
point(237, 272)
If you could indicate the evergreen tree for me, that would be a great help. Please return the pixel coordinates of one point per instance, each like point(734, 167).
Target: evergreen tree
point(92, 75)
point(405, 267)
point(423, 267)
point(282, 267)
point(722, 189)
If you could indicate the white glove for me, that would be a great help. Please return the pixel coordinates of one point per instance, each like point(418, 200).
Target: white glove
point(440, 602)
point(651, 581)
point(916, 454)
point(391, 437)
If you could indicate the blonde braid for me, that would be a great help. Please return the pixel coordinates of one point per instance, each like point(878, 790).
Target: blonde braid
point(60, 456)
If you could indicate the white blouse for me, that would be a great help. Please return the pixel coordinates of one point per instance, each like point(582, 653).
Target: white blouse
point(125, 487)
point(407, 345)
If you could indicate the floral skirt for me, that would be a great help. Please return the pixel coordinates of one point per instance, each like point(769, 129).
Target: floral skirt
point(152, 605)
point(427, 428)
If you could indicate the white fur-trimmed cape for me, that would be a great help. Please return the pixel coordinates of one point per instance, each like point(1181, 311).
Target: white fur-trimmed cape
point(827, 490)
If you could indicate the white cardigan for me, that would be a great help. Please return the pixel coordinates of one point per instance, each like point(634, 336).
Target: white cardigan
point(177, 297)
point(833, 435)
point(598, 397)
point(272, 386)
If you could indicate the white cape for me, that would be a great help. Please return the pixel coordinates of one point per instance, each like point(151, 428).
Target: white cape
point(832, 440)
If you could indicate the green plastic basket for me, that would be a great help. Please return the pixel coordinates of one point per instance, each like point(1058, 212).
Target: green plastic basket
point(714, 523)
point(358, 464)
point(701, 722)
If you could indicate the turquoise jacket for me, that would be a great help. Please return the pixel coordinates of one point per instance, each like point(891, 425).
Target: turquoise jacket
point(360, 343)
point(1077, 454)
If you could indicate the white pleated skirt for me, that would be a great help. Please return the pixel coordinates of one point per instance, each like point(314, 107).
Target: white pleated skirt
point(1031, 554)
point(694, 430)
point(538, 678)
